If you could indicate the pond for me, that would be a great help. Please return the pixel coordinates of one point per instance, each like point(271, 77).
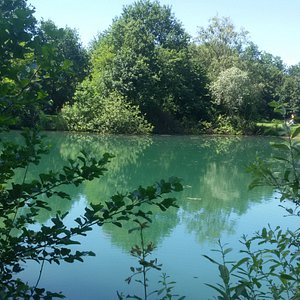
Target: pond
point(215, 204)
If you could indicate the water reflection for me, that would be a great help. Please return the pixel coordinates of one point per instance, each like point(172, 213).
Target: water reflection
point(220, 189)
point(126, 150)
point(212, 168)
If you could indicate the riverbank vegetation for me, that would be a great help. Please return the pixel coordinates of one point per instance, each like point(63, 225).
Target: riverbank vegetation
point(145, 74)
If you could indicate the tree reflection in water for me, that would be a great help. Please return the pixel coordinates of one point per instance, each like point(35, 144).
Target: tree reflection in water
point(212, 168)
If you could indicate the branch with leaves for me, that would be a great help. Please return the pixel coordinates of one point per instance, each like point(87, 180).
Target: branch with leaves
point(21, 202)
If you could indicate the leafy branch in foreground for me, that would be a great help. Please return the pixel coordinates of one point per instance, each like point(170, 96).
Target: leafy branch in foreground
point(269, 267)
point(270, 264)
point(142, 252)
point(282, 170)
point(21, 202)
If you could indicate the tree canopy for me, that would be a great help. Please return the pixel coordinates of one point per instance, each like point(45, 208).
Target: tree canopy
point(68, 64)
point(17, 63)
point(144, 68)
point(236, 93)
point(144, 57)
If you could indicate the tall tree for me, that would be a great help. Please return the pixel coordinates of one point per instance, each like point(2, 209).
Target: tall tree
point(144, 57)
point(268, 72)
point(289, 91)
point(220, 45)
point(236, 94)
point(17, 30)
point(40, 67)
point(68, 64)
point(18, 65)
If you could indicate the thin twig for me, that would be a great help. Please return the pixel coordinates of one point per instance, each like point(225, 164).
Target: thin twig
point(39, 278)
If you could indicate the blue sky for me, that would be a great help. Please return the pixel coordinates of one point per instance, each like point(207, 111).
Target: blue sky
point(274, 25)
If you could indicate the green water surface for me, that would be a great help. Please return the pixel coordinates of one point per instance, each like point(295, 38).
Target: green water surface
point(215, 204)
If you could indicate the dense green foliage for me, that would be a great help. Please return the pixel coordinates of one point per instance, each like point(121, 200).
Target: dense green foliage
point(256, 75)
point(147, 71)
point(144, 59)
point(220, 83)
point(68, 64)
point(219, 46)
point(143, 73)
point(234, 91)
point(18, 65)
point(92, 112)
point(39, 63)
point(290, 89)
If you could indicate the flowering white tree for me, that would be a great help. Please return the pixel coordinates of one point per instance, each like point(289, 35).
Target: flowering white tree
point(235, 91)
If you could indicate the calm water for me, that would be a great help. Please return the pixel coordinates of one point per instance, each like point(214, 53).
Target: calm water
point(215, 204)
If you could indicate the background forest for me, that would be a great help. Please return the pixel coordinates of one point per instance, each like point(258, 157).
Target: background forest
point(146, 74)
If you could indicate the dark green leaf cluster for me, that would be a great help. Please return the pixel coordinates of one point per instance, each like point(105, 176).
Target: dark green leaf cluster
point(40, 65)
point(67, 63)
point(18, 66)
point(17, 29)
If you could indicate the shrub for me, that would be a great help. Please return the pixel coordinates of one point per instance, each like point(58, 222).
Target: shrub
point(108, 115)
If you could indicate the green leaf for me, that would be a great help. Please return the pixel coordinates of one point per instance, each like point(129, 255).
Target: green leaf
point(134, 229)
point(287, 277)
point(264, 233)
point(218, 290)
point(239, 263)
point(257, 283)
point(224, 272)
point(295, 132)
point(117, 224)
point(282, 146)
point(226, 251)
point(211, 260)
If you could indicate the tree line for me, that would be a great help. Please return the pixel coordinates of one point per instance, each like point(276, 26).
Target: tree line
point(143, 74)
